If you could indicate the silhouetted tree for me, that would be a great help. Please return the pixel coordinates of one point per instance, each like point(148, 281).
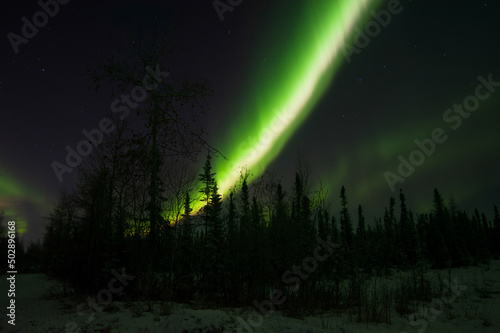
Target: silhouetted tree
point(496, 231)
point(435, 239)
point(280, 234)
point(207, 181)
point(346, 229)
point(406, 240)
point(361, 241)
point(185, 269)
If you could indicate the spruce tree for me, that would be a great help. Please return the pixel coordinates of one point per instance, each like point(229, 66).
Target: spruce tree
point(207, 179)
point(405, 238)
point(297, 200)
point(435, 241)
point(216, 229)
point(361, 224)
point(232, 253)
point(232, 228)
point(280, 234)
point(216, 244)
point(361, 240)
point(496, 232)
point(245, 239)
point(346, 229)
point(186, 267)
point(335, 230)
point(295, 222)
point(390, 235)
point(306, 225)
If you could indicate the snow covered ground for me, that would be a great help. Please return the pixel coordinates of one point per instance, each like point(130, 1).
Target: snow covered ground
point(471, 305)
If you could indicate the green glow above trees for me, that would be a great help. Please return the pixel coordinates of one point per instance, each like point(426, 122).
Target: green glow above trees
point(14, 194)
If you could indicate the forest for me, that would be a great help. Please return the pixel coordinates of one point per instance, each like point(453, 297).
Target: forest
point(255, 244)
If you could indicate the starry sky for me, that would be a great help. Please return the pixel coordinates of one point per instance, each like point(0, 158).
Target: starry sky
point(322, 79)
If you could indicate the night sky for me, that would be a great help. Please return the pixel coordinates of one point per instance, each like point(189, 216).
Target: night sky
point(287, 82)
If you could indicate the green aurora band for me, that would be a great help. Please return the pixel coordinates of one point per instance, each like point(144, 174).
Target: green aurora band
point(14, 194)
point(287, 89)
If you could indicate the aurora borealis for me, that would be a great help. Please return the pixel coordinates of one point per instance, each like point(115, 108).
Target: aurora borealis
point(283, 88)
point(19, 201)
point(271, 120)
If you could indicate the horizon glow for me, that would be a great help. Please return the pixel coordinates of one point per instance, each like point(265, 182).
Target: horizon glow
point(14, 196)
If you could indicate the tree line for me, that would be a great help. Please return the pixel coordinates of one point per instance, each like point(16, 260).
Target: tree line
point(236, 250)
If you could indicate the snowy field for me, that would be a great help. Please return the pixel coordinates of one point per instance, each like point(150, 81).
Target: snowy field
point(471, 304)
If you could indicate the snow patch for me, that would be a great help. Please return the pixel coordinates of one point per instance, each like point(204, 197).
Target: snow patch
point(198, 321)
